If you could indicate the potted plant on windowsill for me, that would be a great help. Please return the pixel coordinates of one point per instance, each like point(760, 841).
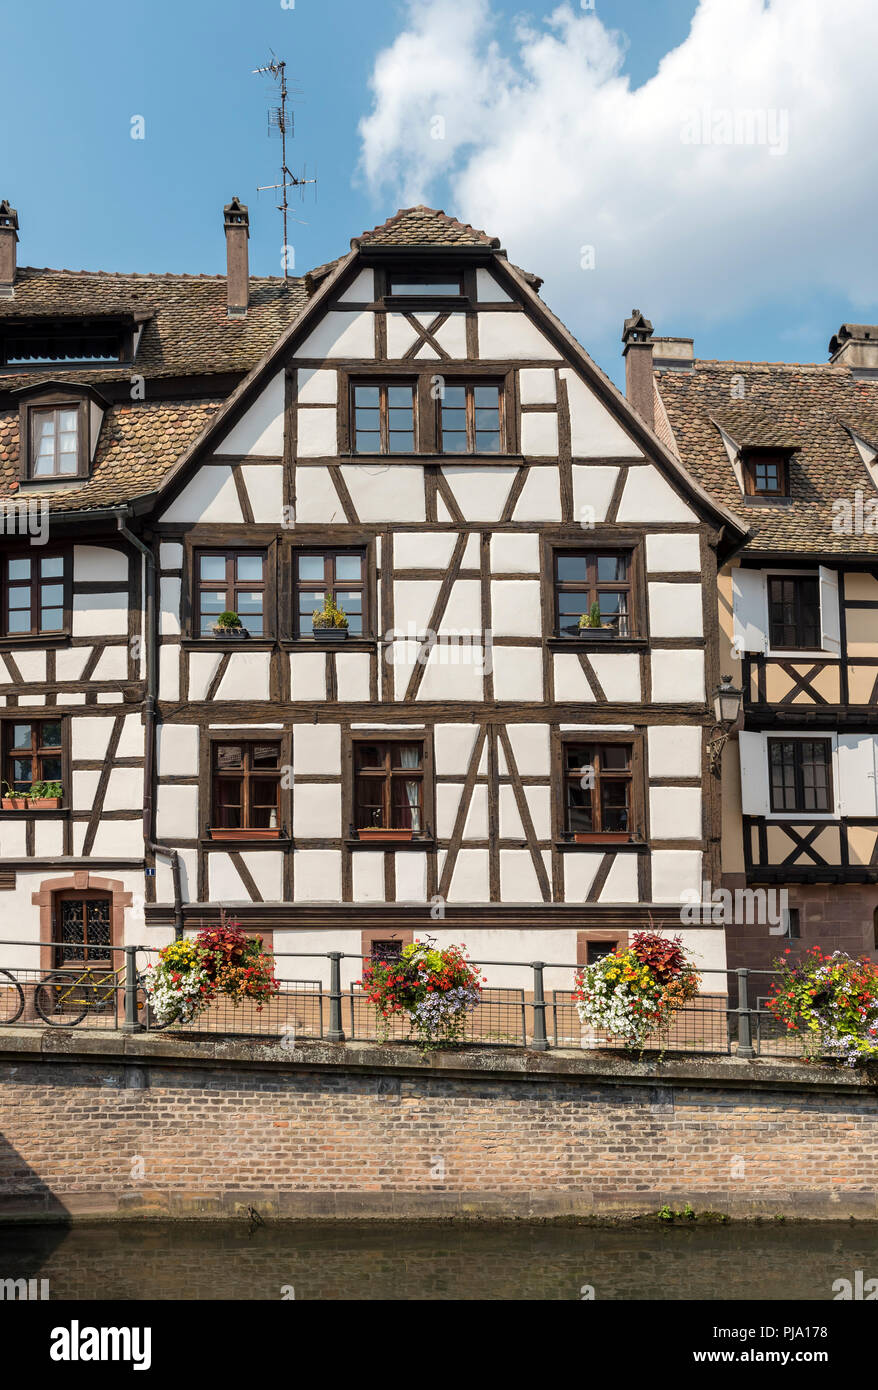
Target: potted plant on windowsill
point(377, 832)
point(13, 800)
point(601, 837)
point(45, 796)
point(329, 622)
point(228, 624)
point(590, 624)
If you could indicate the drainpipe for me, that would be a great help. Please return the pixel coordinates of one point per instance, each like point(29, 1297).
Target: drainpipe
point(150, 725)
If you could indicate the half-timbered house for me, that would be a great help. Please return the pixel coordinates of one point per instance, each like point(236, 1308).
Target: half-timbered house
point(504, 740)
point(793, 448)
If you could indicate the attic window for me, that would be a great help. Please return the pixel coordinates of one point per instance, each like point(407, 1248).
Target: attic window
point(62, 344)
point(425, 286)
point(766, 472)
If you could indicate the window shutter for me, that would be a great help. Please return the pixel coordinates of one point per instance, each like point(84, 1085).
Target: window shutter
point(749, 610)
point(754, 774)
point(830, 627)
point(857, 782)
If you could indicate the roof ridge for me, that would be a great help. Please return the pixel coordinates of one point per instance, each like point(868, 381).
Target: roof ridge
point(146, 274)
point(451, 222)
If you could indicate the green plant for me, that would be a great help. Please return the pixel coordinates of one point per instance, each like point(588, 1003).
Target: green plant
point(830, 1002)
point(593, 617)
point(329, 615)
point(44, 791)
point(228, 619)
point(668, 1214)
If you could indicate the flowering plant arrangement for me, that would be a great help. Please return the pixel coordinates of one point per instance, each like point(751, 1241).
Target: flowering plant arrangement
point(637, 990)
point(435, 988)
point(190, 974)
point(832, 1000)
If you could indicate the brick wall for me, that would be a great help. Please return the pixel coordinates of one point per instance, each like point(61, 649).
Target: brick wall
point(833, 916)
point(209, 1128)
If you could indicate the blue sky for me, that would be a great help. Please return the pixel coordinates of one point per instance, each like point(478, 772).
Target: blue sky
point(91, 197)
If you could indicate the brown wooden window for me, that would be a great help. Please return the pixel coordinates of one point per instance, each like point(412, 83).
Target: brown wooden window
point(800, 772)
point(33, 593)
point(793, 612)
point(33, 752)
point(246, 785)
point(765, 473)
point(585, 577)
point(230, 581)
point(597, 788)
point(341, 573)
point(384, 417)
point(56, 444)
point(471, 418)
point(389, 786)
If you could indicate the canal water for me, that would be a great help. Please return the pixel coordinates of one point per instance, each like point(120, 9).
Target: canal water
point(231, 1260)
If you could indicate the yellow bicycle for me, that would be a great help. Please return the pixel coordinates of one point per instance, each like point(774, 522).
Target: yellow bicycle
point(64, 998)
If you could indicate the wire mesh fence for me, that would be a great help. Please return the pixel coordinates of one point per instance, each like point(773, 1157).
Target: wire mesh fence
point(730, 1016)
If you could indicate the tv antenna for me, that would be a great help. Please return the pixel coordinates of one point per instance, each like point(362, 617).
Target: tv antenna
point(281, 120)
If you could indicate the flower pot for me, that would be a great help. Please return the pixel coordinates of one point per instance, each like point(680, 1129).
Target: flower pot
point(598, 837)
point(330, 634)
point(15, 803)
point(235, 633)
point(374, 832)
point(600, 634)
point(45, 803)
point(242, 834)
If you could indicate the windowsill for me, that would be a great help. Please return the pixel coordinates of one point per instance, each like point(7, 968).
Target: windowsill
point(507, 459)
point(46, 813)
point(229, 644)
point(423, 303)
point(46, 639)
point(310, 644)
point(607, 846)
point(601, 643)
point(799, 654)
point(766, 500)
point(424, 842)
point(249, 838)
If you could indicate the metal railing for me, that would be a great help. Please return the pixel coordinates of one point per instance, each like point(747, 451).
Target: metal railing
point(726, 1018)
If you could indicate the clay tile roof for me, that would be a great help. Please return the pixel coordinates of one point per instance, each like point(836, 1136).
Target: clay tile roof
point(423, 226)
point(808, 407)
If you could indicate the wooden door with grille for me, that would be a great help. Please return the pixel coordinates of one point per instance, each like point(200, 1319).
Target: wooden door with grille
point(82, 930)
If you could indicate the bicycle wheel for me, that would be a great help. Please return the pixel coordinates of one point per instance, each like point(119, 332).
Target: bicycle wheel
point(11, 998)
point(60, 999)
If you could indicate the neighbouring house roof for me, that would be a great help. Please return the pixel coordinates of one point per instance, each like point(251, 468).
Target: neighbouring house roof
point(808, 409)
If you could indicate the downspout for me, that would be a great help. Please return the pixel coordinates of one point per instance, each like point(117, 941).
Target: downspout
point(150, 725)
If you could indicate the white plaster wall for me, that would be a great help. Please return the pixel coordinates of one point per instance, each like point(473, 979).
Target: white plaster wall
point(260, 429)
point(470, 881)
point(621, 883)
point(539, 434)
point(481, 493)
point(177, 813)
point(391, 493)
point(677, 677)
point(508, 337)
point(513, 552)
point(316, 811)
point(447, 802)
point(341, 333)
point(592, 491)
point(540, 498)
point(463, 611)
point(518, 673)
point(316, 497)
point(368, 876)
point(361, 290)
point(32, 665)
point(515, 608)
point(132, 737)
point(112, 665)
point(518, 879)
point(648, 497)
point(170, 555)
point(317, 386)
point(475, 827)
point(618, 673)
point(124, 789)
point(100, 615)
point(317, 876)
point(674, 552)
point(675, 872)
point(99, 564)
point(264, 484)
point(488, 289)
point(169, 607)
point(70, 663)
point(352, 675)
point(530, 748)
point(675, 610)
point(317, 749)
point(447, 677)
point(453, 747)
point(594, 432)
point(209, 495)
point(247, 677)
point(48, 838)
point(674, 750)
point(308, 675)
point(411, 876)
point(89, 737)
point(266, 870)
point(316, 432)
point(536, 386)
point(413, 601)
point(423, 549)
point(177, 750)
point(571, 684)
point(169, 673)
point(675, 813)
point(224, 883)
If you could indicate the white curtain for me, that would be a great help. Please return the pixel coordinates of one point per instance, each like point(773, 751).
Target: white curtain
point(410, 757)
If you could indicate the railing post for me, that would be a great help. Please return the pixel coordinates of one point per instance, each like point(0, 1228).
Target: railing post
point(745, 1033)
point(132, 1023)
point(540, 1039)
point(336, 1029)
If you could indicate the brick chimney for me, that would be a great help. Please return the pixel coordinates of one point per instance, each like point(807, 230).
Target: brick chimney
point(855, 345)
point(8, 242)
point(237, 225)
point(637, 337)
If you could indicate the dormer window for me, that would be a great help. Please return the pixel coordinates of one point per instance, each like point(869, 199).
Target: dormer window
point(425, 286)
point(59, 426)
point(64, 343)
point(765, 472)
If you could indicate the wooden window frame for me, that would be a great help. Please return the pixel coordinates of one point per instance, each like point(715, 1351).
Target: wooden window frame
point(591, 758)
point(41, 329)
point(603, 936)
point(247, 774)
point(193, 585)
point(798, 778)
point(28, 411)
point(797, 580)
point(752, 458)
point(366, 555)
point(469, 383)
point(381, 384)
point(369, 935)
point(464, 276)
point(35, 553)
point(593, 587)
point(599, 544)
point(61, 750)
point(349, 788)
point(637, 835)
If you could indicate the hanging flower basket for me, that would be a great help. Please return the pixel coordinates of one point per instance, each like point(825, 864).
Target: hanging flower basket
point(634, 993)
point(433, 989)
point(190, 975)
point(829, 1003)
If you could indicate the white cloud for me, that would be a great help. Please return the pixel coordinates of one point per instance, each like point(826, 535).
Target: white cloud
point(547, 146)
